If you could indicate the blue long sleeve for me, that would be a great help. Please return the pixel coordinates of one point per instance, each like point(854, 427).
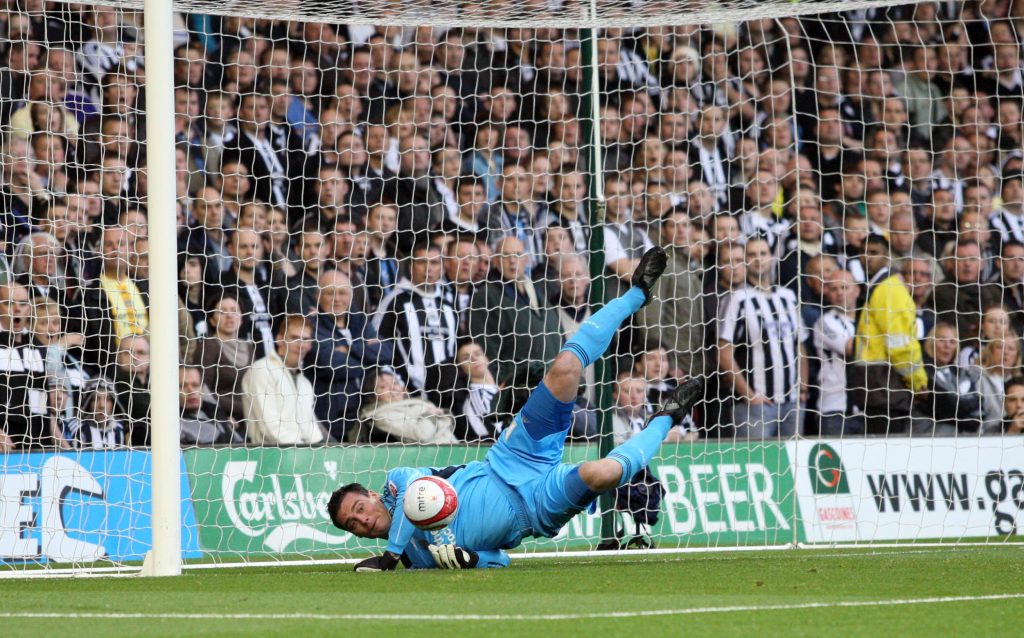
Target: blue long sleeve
point(492, 558)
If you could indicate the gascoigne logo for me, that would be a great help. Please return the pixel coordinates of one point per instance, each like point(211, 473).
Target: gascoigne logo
point(826, 470)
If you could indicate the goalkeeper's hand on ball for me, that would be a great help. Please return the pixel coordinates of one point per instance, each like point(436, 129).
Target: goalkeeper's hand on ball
point(384, 563)
point(453, 557)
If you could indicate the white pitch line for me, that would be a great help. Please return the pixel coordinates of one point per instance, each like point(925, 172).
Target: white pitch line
point(507, 617)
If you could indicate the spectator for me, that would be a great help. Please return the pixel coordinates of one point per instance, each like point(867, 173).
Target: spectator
point(40, 265)
point(515, 325)
point(917, 277)
point(819, 271)
point(471, 207)
point(572, 302)
point(461, 261)
point(206, 236)
point(278, 400)
point(919, 90)
point(567, 209)
point(113, 305)
point(22, 375)
point(995, 325)
point(483, 160)
point(960, 298)
point(63, 368)
point(1000, 361)
point(264, 148)
point(938, 228)
point(1008, 221)
point(1013, 407)
point(219, 131)
point(391, 414)
point(730, 270)
point(198, 424)
point(887, 343)
point(420, 207)
point(653, 367)
point(761, 353)
point(236, 194)
point(105, 51)
point(475, 418)
point(675, 317)
point(99, 426)
point(251, 282)
point(760, 219)
point(631, 411)
point(419, 321)
point(131, 386)
point(517, 212)
point(624, 240)
point(345, 350)
point(834, 342)
point(299, 294)
point(855, 234)
point(192, 290)
point(381, 265)
point(712, 150)
point(952, 403)
point(224, 357)
point(1010, 277)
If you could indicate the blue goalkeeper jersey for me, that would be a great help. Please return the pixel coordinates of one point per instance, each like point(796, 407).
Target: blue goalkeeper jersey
point(486, 521)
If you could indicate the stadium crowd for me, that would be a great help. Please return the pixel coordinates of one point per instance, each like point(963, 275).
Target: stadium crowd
point(385, 232)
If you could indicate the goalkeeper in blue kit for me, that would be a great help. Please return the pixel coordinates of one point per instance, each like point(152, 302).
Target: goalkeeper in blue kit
point(522, 488)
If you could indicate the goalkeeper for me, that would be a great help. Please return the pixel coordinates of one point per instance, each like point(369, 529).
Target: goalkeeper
point(522, 488)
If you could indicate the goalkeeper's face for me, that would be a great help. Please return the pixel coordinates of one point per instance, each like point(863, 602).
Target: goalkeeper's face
point(364, 515)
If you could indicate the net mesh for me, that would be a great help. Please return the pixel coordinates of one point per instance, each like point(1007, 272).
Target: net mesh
point(564, 14)
point(385, 235)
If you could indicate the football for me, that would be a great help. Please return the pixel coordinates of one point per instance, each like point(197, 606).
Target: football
point(430, 502)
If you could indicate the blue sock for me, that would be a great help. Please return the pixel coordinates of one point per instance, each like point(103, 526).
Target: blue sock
point(637, 452)
point(577, 491)
point(595, 334)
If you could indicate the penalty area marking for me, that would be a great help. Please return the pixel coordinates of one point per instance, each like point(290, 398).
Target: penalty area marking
point(509, 617)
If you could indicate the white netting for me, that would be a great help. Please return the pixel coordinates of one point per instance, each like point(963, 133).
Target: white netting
point(561, 14)
point(386, 233)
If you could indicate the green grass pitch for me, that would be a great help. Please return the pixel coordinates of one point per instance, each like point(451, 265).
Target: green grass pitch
point(826, 592)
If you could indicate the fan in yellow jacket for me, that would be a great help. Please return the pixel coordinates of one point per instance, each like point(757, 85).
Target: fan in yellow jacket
point(887, 325)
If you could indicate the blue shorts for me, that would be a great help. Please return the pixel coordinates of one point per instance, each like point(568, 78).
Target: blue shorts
point(528, 457)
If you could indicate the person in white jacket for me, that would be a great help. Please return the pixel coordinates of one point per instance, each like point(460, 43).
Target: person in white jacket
point(278, 399)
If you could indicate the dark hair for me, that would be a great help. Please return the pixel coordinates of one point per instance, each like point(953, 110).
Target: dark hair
point(468, 180)
point(1010, 176)
point(1009, 243)
point(212, 301)
point(1017, 380)
point(878, 240)
point(334, 504)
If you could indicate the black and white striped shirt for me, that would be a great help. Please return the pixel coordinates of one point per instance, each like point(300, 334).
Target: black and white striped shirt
point(765, 328)
point(22, 387)
point(1009, 225)
point(478, 411)
point(831, 334)
point(422, 325)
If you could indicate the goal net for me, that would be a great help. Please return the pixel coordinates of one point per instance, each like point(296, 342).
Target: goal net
point(390, 216)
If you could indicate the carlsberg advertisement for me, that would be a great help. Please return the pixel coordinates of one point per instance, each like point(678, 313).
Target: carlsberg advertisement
point(272, 501)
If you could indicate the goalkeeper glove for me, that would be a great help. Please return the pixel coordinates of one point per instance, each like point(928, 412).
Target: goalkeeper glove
point(453, 557)
point(384, 563)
